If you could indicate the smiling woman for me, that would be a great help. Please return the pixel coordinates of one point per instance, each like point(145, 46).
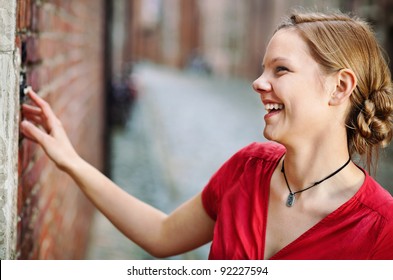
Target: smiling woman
point(325, 101)
point(334, 104)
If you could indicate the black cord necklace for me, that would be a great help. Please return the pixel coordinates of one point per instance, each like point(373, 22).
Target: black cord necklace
point(291, 196)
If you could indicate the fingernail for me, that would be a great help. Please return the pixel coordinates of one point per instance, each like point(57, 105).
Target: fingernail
point(25, 123)
point(27, 89)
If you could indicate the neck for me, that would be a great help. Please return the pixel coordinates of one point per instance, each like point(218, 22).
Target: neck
point(307, 164)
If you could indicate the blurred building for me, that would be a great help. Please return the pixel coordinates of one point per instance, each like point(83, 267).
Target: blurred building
point(228, 37)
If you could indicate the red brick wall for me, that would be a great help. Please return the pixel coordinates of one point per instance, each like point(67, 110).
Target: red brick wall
point(64, 63)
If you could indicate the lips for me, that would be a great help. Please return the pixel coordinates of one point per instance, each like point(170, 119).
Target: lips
point(273, 109)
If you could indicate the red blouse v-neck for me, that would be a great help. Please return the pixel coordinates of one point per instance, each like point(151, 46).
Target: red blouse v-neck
point(236, 198)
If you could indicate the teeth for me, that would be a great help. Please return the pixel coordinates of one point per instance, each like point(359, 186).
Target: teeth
point(275, 106)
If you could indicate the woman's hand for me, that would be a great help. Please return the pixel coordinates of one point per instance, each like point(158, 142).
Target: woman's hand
point(186, 228)
point(43, 127)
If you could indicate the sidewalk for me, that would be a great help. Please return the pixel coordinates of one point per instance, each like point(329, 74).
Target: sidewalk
point(182, 129)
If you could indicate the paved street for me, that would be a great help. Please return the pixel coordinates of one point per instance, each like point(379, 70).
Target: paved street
point(182, 128)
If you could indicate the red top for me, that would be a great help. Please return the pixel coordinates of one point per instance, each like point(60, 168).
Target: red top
point(237, 197)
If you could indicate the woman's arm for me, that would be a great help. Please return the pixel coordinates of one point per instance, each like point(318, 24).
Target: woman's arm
point(161, 235)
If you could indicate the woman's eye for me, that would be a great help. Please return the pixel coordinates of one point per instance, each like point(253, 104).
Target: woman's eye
point(281, 69)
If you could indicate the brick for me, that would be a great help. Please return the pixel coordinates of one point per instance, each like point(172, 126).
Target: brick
point(32, 49)
point(19, 236)
point(36, 77)
point(26, 151)
point(18, 42)
point(32, 176)
point(21, 15)
point(46, 18)
point(28, 14)
point(34, 17)
point(49, 47)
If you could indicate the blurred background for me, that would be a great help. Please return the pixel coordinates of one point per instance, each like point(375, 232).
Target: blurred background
point(197, 59)
point(169, 98)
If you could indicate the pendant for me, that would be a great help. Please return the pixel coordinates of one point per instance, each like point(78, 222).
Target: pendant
point(290, 200)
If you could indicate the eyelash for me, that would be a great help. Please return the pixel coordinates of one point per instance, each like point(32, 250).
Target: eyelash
point(281, 68)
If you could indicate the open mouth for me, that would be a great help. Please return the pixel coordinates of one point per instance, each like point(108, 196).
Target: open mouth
point(273, 107)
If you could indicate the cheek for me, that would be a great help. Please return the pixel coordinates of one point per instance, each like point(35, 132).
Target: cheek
point(301, 97)
point(303, 110)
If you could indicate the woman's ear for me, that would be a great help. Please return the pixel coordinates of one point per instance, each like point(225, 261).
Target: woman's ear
point(345, 84)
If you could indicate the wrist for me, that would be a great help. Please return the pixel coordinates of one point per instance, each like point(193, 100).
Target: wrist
point(71, 163)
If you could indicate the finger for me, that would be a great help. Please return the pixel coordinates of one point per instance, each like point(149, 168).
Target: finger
point(46, 109)
point(32, 132)
point(34, 114)
point(41, 103)
point(28, 109)
point(37, 121)
point(35, 97)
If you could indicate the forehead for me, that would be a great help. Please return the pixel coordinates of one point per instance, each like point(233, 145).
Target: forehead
point(287, 44)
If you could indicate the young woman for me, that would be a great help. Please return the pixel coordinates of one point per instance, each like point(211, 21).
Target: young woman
point(328, 95)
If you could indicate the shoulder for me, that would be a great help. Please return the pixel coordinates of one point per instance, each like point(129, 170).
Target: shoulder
point(378, 199)
point(254, 152)
point(243, 164)
point(377, 205)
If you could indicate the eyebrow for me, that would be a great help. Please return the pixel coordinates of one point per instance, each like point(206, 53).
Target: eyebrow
point(275, 60)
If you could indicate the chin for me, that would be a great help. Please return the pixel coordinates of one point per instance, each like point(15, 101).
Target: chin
point(272, 137)
point(268, 135)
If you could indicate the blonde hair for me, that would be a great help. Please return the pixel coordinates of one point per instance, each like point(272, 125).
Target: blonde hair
point(338, 41)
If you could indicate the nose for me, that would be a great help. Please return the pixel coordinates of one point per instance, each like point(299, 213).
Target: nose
point(261, 85)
